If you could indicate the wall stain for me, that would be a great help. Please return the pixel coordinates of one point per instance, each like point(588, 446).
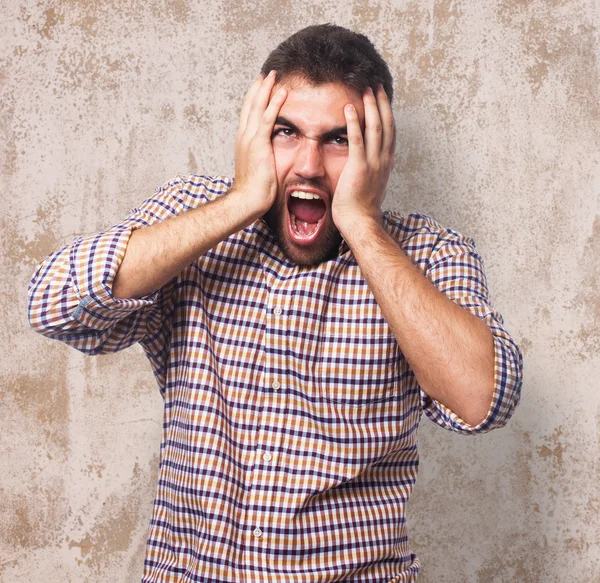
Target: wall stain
point(96, 469)
point(9, 154)
point(525, 344)
point(52, 19)
point(365, 14)
point(280, 18)
point(167, 112)
point(88, 24)
point(542, 44)
point(44, 396)
point(196, 117)
point(80, 67)
point(115, 527)
point(554, 47)
point(445, 14)
point(584, 342)
point(583, 87)
point(523, 479)
point(578, 545)
point(514, 561)
point(16, 244)
point(37, 515)
point(447, 84)
point(192, 163)
point(177, 10)
point(554, 448)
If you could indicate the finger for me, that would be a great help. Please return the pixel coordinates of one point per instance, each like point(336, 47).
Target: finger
point(265, 130)
point(259, 103)
point(356, 144)
point(248, 102)
point(387, 121)
point(373, 127)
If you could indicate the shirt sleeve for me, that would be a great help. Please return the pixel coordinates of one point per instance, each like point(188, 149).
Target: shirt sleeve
point(70, 295)
point(456, 269)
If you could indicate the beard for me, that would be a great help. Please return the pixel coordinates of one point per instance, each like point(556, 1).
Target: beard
point(323, 249)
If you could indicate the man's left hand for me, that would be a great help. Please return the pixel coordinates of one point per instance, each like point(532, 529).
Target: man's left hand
point(361, 187)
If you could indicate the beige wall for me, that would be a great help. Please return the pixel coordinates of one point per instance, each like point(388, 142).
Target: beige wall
point(498, 115)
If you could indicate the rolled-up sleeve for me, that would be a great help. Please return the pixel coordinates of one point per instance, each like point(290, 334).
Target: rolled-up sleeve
point(70, 295)
point(71, 300)
point(456, 269)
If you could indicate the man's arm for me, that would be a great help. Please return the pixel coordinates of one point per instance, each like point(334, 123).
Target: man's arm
point(157, 253)
point(450, 350)
point(72, 293)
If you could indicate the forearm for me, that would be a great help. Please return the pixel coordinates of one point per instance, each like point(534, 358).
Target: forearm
point(450, 350)
point(159, 252)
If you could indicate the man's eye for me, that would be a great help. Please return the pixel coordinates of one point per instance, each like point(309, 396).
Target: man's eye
point(339, 141)
point(283, 132)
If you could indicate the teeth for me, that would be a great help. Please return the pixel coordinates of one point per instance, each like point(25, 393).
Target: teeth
point(307, 195)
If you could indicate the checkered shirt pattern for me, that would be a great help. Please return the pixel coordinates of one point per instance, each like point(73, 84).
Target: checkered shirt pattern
point(289, 443)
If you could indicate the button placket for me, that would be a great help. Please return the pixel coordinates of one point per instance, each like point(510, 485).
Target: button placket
point(264, 476)
point(270, 405)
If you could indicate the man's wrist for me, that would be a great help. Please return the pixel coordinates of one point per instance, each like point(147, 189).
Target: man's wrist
point(246, 203)
point(356, 224)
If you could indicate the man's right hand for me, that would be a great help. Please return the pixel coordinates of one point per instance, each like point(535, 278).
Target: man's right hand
point(255, 174)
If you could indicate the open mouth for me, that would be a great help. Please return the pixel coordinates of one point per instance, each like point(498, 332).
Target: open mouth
point(306, 216)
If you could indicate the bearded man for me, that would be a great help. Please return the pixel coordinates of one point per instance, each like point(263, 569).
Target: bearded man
point(296, 331)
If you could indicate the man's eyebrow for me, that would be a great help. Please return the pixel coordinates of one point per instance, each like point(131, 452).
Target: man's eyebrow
point(283, 121)
point(332, 133)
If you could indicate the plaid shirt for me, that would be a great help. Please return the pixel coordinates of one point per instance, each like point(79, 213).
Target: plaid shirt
point(289, 444)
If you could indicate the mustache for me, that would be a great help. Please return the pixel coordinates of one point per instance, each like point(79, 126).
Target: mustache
point(307, 182)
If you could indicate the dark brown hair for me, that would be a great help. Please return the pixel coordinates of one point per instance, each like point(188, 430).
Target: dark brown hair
point(327, 53)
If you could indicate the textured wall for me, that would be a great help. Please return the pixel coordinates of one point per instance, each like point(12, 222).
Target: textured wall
point(498, 115)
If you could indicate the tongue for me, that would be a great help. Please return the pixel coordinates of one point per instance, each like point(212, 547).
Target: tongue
point(307, 210)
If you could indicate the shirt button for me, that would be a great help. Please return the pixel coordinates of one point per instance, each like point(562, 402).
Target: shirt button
point(275, 385)
point(277, 311)
point(267, 457)
point(257, 532)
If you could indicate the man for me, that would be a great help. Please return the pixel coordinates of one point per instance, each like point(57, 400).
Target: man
point(297, 333)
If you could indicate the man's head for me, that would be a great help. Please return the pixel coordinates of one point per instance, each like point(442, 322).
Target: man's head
point(323, 68)
point(326, 53)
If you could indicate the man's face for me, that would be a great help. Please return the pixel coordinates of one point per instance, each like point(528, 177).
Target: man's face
point(310, 147)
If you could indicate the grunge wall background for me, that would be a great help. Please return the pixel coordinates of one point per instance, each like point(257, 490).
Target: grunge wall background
point(498, 114)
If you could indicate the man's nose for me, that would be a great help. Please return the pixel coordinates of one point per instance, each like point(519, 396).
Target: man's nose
point(309, 159)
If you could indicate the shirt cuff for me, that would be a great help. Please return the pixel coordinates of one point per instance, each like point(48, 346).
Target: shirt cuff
point(508, 366)
point(94, 262)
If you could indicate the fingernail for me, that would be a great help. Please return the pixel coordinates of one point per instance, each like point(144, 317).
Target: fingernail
point(272, 72)
point(348, 108)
